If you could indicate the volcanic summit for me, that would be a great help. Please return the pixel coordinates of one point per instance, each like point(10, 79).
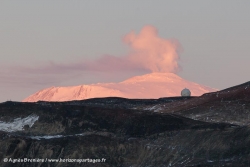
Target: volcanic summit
point(148, 86)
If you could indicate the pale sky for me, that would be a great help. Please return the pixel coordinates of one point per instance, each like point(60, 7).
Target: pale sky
point(34, 35)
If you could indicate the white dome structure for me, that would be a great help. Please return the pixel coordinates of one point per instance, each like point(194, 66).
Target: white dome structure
point(185, 92)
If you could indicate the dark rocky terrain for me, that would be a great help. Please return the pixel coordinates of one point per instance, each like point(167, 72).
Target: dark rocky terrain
point(231, 105)
point(210, 130)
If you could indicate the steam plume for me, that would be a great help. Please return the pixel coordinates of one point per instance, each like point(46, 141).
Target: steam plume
point(151, 52)
point(148, 52)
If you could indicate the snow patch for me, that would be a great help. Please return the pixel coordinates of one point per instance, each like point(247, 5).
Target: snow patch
point(57, 136)
point(151, 108)
point(155, 108)
point(158, 109)
point(18, 123)
point(46, 137)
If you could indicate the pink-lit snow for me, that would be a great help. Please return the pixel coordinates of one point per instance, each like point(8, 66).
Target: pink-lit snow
point(153, 85)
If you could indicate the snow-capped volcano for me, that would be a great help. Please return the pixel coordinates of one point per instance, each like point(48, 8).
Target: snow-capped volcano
point(153, 85)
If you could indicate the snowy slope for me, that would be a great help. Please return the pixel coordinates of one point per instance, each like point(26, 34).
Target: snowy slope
point(18, 123)
point(153, 85)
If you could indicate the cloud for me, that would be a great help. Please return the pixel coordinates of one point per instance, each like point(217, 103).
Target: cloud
point(147, 53)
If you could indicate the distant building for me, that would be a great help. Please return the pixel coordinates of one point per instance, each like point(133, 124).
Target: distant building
point(185, 92)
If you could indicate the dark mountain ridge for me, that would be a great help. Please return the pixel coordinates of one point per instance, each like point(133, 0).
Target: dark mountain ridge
point(230, 105)
point(209, 130)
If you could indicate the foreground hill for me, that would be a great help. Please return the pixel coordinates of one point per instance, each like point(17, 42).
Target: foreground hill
point(231, 105)
point(123, 137)
point(161, 132)
point(154, 85)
